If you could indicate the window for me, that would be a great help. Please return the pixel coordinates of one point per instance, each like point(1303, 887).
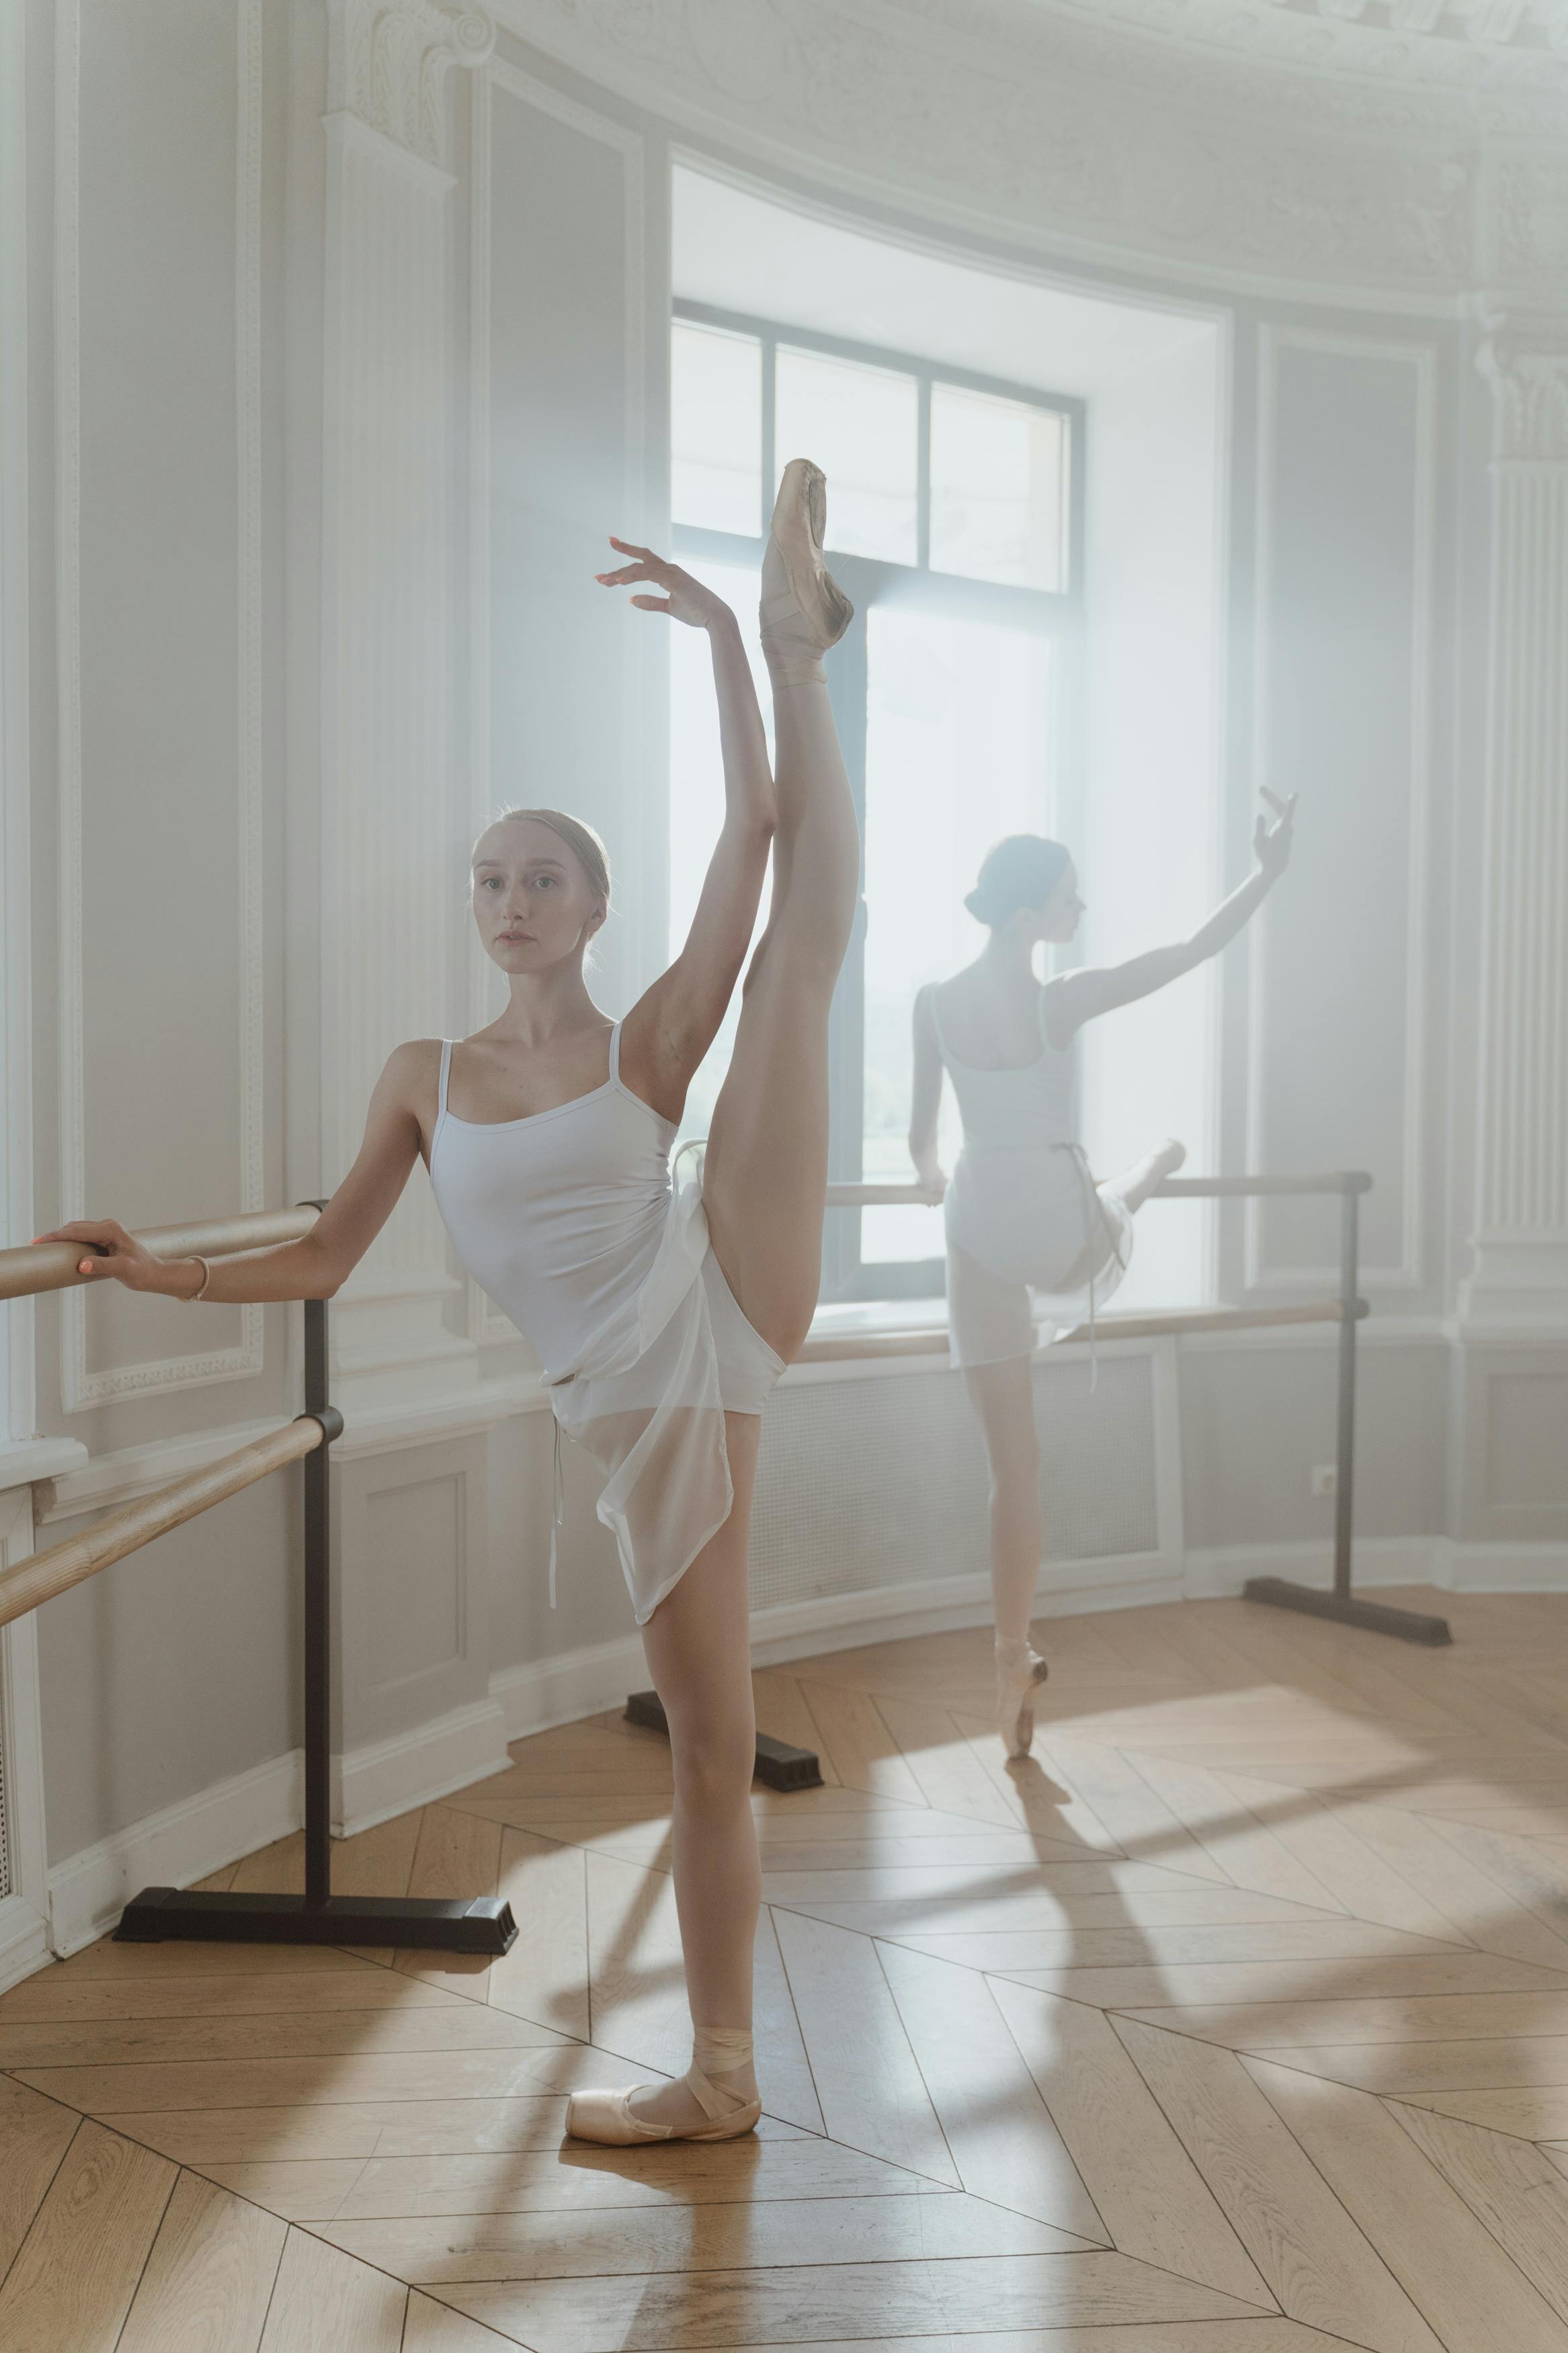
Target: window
point(954, 524)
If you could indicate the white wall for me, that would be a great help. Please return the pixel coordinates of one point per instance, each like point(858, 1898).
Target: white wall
point(1153, 852)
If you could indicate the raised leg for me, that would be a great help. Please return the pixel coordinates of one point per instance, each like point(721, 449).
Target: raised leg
point(765, 1173)
point(1134, 1185)
point(1127, 1191)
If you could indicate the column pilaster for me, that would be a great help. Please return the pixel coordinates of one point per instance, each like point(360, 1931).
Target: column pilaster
point(1520, 1270)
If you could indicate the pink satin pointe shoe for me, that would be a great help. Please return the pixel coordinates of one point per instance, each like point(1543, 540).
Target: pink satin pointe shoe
point(1020, 1669)
point(802, 609)
point(607, 2116)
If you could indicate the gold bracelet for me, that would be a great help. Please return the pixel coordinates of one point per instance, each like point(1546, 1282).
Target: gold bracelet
point(206, 1278)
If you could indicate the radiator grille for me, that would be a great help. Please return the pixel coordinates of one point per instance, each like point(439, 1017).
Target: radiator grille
point(872, 1482)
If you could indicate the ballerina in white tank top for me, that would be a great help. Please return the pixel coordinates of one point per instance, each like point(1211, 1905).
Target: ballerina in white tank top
point(1034, 1245)
point(662, 1312)
point(569, 1219)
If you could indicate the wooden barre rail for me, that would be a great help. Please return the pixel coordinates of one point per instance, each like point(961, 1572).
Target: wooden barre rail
point(64, 1565)
point(871, 1196)
point(52, 1266)
point(833, 1347)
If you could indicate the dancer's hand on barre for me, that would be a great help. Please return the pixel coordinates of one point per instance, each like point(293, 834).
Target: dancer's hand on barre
point(1271, 844)
point(931, 1179)
point(111, 1253)
point(685, 599)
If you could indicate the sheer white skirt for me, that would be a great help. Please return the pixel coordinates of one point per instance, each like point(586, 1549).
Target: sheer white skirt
point(646, 1399)
point(1035, 1249)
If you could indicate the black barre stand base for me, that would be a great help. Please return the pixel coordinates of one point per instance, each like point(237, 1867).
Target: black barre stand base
point(778, 1764)
point(1374, 1617)
point(481, 1924)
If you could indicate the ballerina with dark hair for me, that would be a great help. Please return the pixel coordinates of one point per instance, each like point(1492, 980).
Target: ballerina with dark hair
point(1034, 1243)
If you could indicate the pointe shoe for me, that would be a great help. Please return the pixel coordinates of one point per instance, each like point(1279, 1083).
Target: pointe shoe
point(1020, 1669)
point(607, 2116)
point(802, 609)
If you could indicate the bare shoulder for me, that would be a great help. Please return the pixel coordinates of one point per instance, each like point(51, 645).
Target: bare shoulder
point(409, 1076)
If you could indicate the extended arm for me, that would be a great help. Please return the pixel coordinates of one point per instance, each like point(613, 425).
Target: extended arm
point(1076, 996)
point(308, 1268)
point(672, 1025)
point(925, 1098)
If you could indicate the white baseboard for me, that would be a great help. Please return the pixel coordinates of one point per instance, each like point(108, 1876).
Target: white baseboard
point(24, 1940)
point(416, 1768)
point(548, 1692)
point(1487, 1567)
point(1453, 1568)
point(187, 1840)
point(88, 1891)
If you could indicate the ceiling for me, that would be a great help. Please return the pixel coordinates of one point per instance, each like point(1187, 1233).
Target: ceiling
point(739, 252)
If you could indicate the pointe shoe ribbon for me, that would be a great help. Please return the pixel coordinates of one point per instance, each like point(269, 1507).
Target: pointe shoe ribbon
point(802, 609)
point(608, 2118)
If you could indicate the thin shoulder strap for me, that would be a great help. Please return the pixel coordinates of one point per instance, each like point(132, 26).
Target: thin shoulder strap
point(441, 1082)
point(615, 1055)
point(930, 995)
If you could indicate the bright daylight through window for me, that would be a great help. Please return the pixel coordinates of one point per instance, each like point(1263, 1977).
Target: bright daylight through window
point(950, 525)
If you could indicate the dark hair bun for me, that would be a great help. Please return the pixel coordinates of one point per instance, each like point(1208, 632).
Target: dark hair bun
point(1020, 870)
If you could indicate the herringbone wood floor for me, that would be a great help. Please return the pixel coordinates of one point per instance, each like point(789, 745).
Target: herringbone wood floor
point(1236, 2021)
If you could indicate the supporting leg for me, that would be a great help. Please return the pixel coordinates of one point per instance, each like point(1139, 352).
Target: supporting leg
point(697, 1643)
point(1004, 1400)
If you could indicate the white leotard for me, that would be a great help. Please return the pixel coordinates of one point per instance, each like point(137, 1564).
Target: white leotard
point(569, 1219)
point(1022, 1212)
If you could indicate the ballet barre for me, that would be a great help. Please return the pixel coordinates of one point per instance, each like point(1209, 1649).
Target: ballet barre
point(1345, 1309)
point(159, 1914)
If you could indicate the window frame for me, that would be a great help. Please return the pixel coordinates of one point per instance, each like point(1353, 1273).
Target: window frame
point(1055, 615)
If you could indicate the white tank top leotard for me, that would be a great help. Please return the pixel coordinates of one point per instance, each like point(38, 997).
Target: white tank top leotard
point(1022, 1212)
point(570, 1220)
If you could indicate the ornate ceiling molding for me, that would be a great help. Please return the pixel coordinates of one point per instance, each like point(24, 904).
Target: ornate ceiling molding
point(1071, 131)
point(1463, 45)
point(388, 61)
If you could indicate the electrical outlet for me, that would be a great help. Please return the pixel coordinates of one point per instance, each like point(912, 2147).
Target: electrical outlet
point(1325, 1478)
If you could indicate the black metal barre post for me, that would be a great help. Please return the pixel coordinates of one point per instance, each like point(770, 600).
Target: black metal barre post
point(1350, 1184)
point(1341, 1604)
point(482, 1924)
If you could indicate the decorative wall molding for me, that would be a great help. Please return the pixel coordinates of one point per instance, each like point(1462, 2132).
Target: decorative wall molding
point(387, 62)
point(24, 1891)
point(1408, 1273)
point(485, 1323)
point(82, 1389)
point(1236, 142)
point(1520, 1242)
point(1527, 369)
point(17, 1387)
point(388, 746)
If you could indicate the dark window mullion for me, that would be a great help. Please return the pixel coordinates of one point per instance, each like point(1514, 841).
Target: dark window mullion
point(922, 478)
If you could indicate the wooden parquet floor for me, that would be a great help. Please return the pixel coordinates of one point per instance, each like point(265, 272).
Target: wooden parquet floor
point(1235, 2021)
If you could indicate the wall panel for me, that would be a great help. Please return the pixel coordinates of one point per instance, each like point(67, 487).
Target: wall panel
point(1344, 592)
point(158, 236)
point(567, 703)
